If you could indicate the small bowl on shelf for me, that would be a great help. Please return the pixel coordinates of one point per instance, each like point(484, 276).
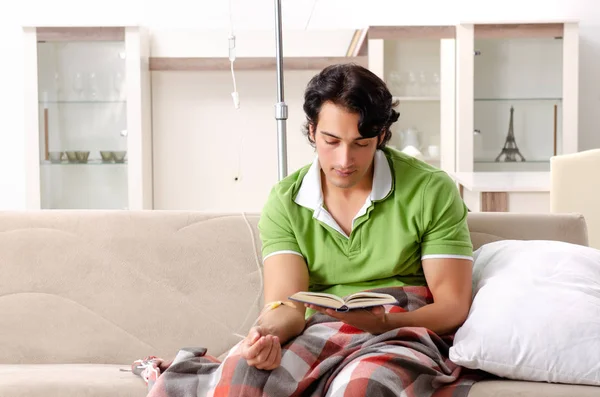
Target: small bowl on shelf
point(82, 157)
point(56, 157)
point(107, 156)
point(71, 156)
point(119, 156)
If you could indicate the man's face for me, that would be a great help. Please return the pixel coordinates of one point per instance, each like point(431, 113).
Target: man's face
point(344, 155)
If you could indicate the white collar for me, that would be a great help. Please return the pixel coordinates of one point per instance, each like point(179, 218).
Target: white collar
point(310, 194)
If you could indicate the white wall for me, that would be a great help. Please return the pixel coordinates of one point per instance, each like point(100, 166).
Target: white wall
point(162, 15)
point(12, 171)
point(202, 143)
point(177, 42)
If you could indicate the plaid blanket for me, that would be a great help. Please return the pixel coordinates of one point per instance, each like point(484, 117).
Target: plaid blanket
point(330, 358)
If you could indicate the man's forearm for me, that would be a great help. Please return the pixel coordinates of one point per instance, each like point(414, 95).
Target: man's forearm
point(283, 322)
point(437, 317)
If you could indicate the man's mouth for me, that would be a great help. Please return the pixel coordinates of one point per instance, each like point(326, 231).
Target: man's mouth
point(344, 173)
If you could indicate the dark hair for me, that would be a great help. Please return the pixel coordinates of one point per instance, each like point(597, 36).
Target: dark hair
point(358, 90)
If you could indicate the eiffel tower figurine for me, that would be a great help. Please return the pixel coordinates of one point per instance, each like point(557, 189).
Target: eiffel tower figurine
point(510, 149)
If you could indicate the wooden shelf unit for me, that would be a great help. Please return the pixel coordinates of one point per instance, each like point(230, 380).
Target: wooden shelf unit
point(249, 63)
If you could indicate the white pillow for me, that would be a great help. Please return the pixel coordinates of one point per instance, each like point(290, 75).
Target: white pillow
point(535, 313)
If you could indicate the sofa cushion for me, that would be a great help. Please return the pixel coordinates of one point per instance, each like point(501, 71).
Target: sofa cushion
point(60, 380)
point(510, 388)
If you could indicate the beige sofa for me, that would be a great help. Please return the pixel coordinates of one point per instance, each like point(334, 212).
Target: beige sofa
point(84, 293)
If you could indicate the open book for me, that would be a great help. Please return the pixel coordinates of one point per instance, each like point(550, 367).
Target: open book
point(358, 300)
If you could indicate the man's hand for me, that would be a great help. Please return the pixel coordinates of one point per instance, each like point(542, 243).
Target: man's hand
point(261, 350)
point(372, 320)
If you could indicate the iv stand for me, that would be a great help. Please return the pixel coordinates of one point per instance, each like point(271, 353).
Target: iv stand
point(281, 110)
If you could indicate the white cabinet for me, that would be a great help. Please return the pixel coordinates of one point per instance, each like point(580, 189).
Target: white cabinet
point(87, 118)
point(523, 192)
point(459, 85)
point(521, 78)
point(418, 65)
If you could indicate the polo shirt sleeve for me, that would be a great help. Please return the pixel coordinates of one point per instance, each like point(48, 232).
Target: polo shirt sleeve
point(274, 225)
point(444, 220)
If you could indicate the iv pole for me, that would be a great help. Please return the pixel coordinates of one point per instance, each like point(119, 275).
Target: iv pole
point(281, 110)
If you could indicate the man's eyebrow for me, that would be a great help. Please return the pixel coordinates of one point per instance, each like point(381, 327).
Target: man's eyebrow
point(337, 137)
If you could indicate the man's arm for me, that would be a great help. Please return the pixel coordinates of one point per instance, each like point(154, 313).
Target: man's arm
point(449, 281)
point(446, 258)
point(284, 275)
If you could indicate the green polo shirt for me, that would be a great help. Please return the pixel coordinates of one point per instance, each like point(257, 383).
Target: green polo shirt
point(414, 212)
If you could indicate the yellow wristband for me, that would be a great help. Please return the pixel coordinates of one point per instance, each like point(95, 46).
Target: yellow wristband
point(276, 304)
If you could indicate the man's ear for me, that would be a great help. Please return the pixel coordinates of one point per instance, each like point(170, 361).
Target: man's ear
point(380, 138)
point(311, 132)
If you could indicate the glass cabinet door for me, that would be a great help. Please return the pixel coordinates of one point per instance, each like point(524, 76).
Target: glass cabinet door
point(412, 73)
point(82, 124)
point(418, 68)
point(518, 84)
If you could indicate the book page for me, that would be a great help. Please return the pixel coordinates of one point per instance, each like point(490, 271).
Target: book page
point(369, 296)
point(321, 295)
point(320, 299)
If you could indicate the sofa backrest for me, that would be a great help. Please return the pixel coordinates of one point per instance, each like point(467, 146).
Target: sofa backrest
point(112, 287)
point(486, 227)
point(115, 286)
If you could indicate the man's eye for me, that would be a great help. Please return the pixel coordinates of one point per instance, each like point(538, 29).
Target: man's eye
point(362, 144)
point(331, 142)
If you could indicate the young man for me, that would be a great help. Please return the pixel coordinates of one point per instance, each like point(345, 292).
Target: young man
point(361, 216)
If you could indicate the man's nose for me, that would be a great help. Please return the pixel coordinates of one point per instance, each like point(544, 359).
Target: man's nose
point(345, 156)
